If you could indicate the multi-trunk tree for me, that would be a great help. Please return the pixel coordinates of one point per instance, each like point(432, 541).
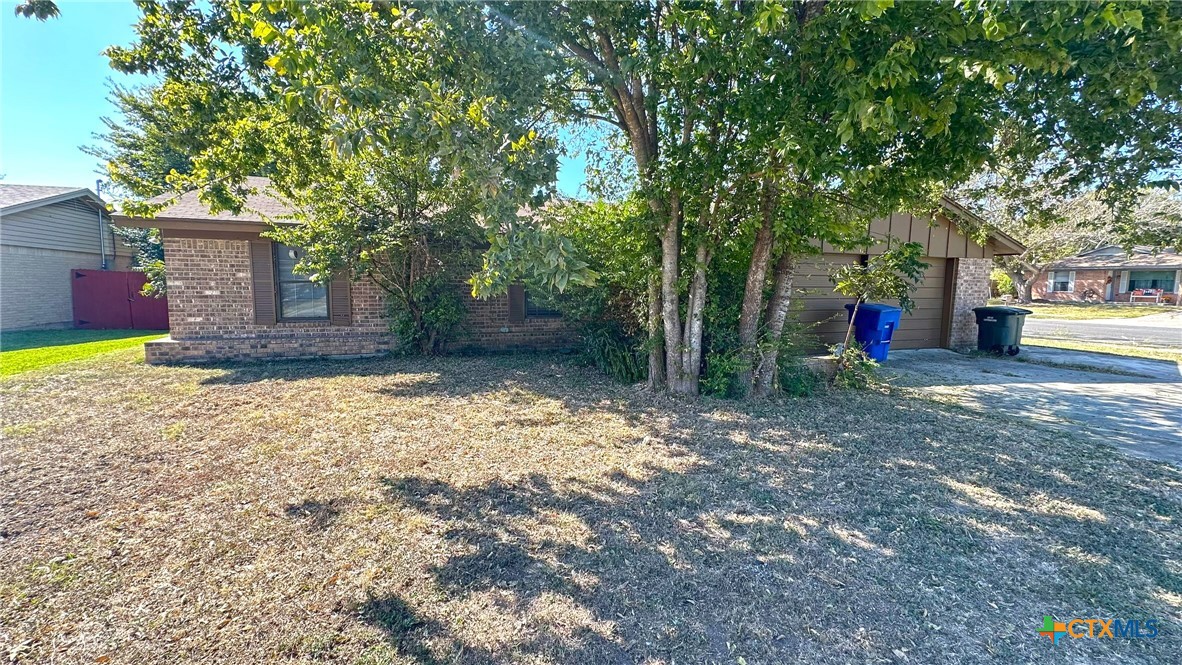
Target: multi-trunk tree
point(779, 122)
point(796, 114)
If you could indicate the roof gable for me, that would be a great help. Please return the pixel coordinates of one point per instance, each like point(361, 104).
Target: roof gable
point(18, 198)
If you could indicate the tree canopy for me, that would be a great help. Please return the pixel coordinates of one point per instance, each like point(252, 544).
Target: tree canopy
point(762, 125)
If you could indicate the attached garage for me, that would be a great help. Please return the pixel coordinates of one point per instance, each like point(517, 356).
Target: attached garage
point(956, 280)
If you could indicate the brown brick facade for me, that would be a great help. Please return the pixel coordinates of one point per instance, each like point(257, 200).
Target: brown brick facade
point(488, 328)
point(211, 313)
point(1093, 286)
point(1089, 285)
point(970, 290)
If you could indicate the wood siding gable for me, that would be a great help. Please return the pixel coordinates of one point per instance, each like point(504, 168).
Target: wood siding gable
point(70, 226)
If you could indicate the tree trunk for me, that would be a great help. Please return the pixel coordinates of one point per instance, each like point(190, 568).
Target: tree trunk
point(849, 330)
point(753, 297)
point(687, 379)
point(1025, 291)
point(777, 315)
point(1022, 285)
point(656, 347)
point(670, 253)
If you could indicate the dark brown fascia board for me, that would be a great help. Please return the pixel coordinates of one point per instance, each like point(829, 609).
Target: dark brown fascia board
point(210, 234)
point(182, 224)
point(1007, 245)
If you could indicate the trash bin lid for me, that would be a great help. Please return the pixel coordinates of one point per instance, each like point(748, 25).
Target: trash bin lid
point(874, 307)
point(1001, 310)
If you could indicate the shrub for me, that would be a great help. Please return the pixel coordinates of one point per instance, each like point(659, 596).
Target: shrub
point(855, 370)
point(429, 316)
point(609, 348)
point(1001, 284)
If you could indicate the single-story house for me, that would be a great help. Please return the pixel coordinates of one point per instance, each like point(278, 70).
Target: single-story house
point(45, 234)
point(232, 294)
point(1111, 274)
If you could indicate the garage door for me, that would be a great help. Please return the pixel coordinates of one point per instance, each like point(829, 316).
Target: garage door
point(822, 311)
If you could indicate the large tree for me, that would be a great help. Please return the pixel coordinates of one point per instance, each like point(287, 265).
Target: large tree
point(778, 120)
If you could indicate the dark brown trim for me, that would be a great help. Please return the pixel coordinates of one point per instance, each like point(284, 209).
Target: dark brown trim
point(210, 234)
point(951, 271)
point(516, 303)
point(262, 283)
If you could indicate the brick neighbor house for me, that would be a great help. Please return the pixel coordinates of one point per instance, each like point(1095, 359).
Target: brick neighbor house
point(1110, 274)
point(232, 293)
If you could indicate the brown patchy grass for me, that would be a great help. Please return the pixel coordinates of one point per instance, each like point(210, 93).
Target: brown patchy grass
point(1130, 350)
point(523, 510)
point(1083, 311)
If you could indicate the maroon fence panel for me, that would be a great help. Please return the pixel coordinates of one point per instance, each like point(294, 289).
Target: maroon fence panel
point(147, 313)
point(111, 299)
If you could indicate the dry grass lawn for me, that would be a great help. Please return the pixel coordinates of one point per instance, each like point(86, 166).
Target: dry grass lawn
point(1130, 350)
point(522, 510)
point(1091, 311)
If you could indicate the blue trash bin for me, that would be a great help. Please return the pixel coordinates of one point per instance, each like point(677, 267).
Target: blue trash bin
point(875, 327)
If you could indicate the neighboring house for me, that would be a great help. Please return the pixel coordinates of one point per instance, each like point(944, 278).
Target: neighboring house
point(1111, 274)
point(45, 233)
point(233, 295)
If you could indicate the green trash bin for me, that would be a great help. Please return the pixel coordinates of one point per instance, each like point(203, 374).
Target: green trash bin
point(999, 329)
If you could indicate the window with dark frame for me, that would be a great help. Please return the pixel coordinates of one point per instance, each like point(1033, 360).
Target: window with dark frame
point(300, 299)
point(1152, 279)
point(1061, 280)
point(536, 311)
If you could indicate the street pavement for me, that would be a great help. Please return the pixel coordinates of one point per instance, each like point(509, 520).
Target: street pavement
point(1157, 330)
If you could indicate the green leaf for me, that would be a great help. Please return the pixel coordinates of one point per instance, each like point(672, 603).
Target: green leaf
point(264, 31)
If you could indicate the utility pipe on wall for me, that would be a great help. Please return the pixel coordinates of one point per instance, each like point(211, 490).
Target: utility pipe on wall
point(98, 188)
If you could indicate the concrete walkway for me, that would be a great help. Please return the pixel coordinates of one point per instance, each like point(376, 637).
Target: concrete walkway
point(1132, 404)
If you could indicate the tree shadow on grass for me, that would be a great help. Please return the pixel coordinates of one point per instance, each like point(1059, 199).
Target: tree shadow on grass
point(842, 528)
point(317, 515)
point(405, 629)
point(838, 544)
point(525, 377)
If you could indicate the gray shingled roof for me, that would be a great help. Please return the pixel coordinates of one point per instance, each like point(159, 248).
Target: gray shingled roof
point(1140, 258)
point(261, 206)
point(12, 196)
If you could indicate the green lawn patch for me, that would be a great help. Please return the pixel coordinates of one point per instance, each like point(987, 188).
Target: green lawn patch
point(26, 350)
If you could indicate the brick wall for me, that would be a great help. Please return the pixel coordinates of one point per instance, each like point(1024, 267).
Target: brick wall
point(1096, 280)
point(971, 290)
point(487, 328)
point(211, 312)
point(35, 290)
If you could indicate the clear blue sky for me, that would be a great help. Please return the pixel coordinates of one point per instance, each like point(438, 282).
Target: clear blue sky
point(53, 92)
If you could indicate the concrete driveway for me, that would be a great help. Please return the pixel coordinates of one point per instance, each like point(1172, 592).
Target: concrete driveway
point(1132, 404)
